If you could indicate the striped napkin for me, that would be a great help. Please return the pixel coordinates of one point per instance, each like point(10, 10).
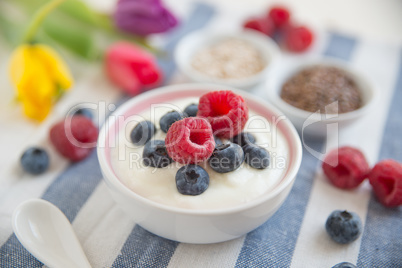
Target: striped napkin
point(294, 237)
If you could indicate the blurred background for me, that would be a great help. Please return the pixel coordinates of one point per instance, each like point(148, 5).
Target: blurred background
point(375, 19)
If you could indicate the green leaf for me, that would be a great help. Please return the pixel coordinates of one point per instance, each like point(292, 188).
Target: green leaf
point(12, 24)
point(71, 35)
point(74, 8)
point(79, 11)
point(8, 31)
point(29, 6)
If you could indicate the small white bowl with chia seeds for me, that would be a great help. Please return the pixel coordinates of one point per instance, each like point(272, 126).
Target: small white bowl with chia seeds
point(320, 95)
point(240, 59)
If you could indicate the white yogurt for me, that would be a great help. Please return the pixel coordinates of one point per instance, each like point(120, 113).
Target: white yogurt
point(225, 190)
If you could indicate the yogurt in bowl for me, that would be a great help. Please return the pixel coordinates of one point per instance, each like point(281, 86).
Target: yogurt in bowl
point(234, 203)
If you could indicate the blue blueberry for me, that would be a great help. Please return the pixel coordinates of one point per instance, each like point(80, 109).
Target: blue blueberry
point(142, 132)
point(168, 119)
point(343, 226)
point(243, 138)
point(191, 110)
point(84, 112)
point(226, 157)
point(218, 141)
point(35, 160)
point(155, 154)
point(344, 265)
point(256, 156)
point(192, 180)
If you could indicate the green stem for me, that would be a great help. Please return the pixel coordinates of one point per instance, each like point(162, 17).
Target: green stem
point(37, 19)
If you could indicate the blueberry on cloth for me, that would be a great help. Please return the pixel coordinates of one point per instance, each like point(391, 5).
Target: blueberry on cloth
point(343, 226)
point(142, 132)
point(243, 138)
point(226, 157)
point(168, 119)
point(155, 154)
point(84, 112)
point(344, 265)
point(35, 160)
point(192, 180)
point(191, 110)
point(256, 156)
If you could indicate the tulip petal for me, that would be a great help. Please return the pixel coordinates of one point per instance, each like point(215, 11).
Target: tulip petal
point(36, 90)
point(17, 63)
point(141, 25)
point(119, 71)
point(139, 8)
point(29, 75)
point(143, 17)
point(37, 74)
point(131, 68)
point(37, 110)
point(55, 65)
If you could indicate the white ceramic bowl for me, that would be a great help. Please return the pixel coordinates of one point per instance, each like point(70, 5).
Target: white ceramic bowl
point(197, 226)
point(192, 43)
point(315, 124)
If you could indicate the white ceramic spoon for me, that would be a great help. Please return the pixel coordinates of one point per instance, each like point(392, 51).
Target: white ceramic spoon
point(48, 235)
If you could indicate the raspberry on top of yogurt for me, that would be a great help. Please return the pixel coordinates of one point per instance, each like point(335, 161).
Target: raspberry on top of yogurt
point(190, 140)
point(226, 111)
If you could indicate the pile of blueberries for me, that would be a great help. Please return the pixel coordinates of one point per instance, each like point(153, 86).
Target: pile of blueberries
point(192, 179)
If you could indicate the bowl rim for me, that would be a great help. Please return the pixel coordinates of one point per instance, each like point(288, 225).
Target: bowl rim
point(271, 50)
point(288, 178)
point(274, 87)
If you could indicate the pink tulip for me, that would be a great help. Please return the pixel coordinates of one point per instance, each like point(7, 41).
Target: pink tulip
point(131, 68)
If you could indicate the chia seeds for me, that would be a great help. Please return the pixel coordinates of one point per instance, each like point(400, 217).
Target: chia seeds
point(314, 88)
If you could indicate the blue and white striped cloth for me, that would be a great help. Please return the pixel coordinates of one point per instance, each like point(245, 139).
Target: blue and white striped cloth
point(293, 237)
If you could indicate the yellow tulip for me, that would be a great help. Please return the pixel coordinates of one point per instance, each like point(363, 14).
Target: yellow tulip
point(39, 76)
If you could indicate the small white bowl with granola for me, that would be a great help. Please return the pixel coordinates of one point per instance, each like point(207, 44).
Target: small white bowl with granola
point(239, 59)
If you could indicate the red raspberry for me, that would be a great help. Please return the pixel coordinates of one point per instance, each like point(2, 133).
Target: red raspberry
point(279, 15)
point(386, 179)
point(190, 140)
point(298, 39)
point(346, 167)
point(74, 139)
point(226, 111)
point(263, 25)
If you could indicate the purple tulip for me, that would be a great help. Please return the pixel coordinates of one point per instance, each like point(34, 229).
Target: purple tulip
point(143, 17)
